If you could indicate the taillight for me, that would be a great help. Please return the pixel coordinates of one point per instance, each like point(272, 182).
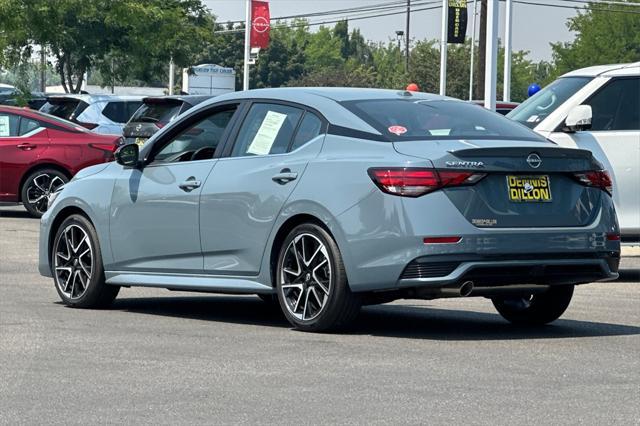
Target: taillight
point(414, 182)
point(597, 179)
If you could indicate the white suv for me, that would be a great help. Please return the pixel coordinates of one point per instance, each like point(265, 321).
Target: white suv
point(597, 108)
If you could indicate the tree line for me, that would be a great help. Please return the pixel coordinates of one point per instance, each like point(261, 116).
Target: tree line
point(132, 41)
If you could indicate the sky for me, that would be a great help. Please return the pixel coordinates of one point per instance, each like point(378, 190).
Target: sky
point(534, 27)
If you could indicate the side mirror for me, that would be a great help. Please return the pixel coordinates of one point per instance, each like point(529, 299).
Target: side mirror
point(579, 118)
point(128, 155)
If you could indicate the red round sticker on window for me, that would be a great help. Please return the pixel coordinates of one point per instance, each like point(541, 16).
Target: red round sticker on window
point(397, 130)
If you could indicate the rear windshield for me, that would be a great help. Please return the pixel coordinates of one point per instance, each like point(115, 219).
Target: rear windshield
point(155, 112)
point(121, 111)
point(68, 109)
point(400, 119)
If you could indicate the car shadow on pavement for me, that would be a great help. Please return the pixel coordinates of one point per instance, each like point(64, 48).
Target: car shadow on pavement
point(16, 213)
point(403, 321)
point(629, 275)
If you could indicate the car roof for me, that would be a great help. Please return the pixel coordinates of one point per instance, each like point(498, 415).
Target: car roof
point(96, 98)
point(324, 99)
point(614, 69)
point(192, 99)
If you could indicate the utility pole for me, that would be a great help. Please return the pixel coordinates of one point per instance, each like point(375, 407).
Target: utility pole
point(491, 59)
point(506, 92)
point(171, 76)
point(43, 69)
point(407, 39)
point(443, 48)
point(482, 46)
point(247, 46)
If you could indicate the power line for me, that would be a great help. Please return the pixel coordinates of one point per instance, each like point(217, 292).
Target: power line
point(360, 9)
point(561, 6)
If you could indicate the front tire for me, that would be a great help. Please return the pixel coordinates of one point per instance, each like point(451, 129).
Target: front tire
point(76, 261)
point(312, 284)
point(537, 309)
point(37, 187)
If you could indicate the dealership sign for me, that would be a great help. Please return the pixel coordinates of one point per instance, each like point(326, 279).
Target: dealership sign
point(260, 24)
point(457, 25)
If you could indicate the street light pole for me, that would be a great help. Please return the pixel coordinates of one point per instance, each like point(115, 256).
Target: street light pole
point(247, 46)
point(506, 92)
point(407, 39)
point(473, 47)
point(491, 57)
point(443, 48)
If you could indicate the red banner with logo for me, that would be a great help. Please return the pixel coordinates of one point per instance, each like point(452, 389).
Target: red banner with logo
point(260, 23)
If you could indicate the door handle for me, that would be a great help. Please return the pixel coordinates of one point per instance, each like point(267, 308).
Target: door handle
point(190, 184)
point(26, 146)
point(285, 176)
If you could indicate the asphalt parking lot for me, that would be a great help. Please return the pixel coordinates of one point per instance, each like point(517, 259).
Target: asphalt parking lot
point(158, 357)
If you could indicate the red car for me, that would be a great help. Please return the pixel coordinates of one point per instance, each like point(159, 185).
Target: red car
point(39, 152)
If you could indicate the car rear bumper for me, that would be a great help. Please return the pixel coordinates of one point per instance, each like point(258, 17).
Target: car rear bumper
point(507, 270)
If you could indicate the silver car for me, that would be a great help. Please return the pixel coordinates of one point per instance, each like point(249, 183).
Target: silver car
point(328, 199)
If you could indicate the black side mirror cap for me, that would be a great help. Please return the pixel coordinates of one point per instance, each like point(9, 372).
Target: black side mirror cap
point(128, 155)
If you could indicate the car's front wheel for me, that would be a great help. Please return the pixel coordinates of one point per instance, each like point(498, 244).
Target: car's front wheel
point(536, 309)
point(37, 187)
point(312, 284)
point(77, 265)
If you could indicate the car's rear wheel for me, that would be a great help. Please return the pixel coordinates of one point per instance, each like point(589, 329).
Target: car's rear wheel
point(312, 284)
point(77, 265)
point(37, 187)
point(536, 309)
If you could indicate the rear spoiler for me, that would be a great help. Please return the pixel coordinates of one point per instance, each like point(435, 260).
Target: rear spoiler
point(551, 152)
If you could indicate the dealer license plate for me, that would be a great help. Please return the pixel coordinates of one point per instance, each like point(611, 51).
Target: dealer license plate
point(523, 189)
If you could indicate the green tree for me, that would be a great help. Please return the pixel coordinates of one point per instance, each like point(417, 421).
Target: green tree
point(121, 38)
point(605, 34)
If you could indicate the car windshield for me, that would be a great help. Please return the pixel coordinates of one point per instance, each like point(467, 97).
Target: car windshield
point(156, 112)
point(406, 119)
point(538, 107)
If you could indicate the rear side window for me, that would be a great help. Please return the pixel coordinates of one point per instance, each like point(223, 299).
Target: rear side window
point(267, 129)
point(156, 112)
point(27, 125)
point(120, 111)
point(400, 119)
point(310, 127)
point(616, 106)
point(9, 125)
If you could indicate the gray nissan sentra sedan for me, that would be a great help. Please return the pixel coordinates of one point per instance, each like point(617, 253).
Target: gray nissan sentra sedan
point(328, 199)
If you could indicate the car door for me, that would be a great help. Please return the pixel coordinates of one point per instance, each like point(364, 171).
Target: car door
point(22, 141)
point(248, 188)
point(155, 209)
point(614, 139)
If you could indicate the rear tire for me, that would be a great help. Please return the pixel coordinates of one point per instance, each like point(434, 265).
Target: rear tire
point(77, 268)
point(312, 285)
point(37, 187)
point(536, 309)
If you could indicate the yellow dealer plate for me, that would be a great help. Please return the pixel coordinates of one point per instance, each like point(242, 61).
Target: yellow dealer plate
point(535, 189)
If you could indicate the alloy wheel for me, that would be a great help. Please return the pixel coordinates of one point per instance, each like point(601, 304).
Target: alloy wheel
point(305, 277)
point(73, 262)
point(39, 190)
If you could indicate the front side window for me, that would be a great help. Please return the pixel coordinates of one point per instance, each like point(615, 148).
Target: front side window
point(616, 106)
point(199, 141)
point(9, 125)
point(267, 129)
point(538, 107)
point(406, 119)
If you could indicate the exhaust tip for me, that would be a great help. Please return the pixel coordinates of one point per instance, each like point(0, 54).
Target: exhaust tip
point(466, 288)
